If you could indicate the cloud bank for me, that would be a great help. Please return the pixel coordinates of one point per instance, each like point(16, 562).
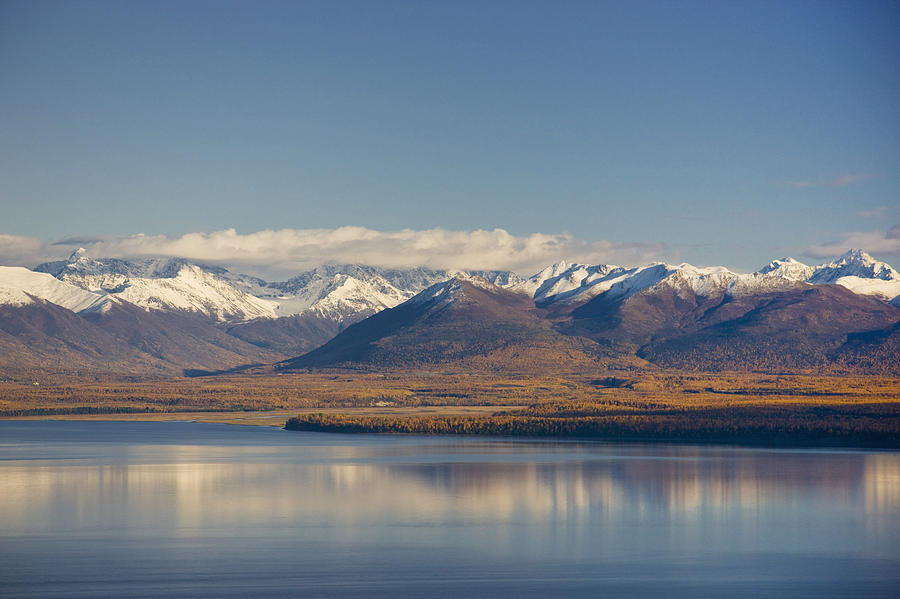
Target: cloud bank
point(875, 242)
point(288, 251)
point(16, 250)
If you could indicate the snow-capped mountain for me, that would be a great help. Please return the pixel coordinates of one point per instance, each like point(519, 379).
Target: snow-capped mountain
point(466, 320)
point(564, 284)
point(562, 281)
point(20, 287)
point(349, 293)
point(452, 290)
point(146, 312)
point(170, 284)
point(855, 263)
point(788, 268)
point(341, 293)
point(860, 273)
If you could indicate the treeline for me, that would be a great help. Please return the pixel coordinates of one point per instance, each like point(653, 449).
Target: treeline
point(698, 426)
point(777, 355)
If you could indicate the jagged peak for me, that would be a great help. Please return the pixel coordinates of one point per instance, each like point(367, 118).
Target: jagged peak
point(77, 255)
point(554, 270)
point(854, 263)
point(449, 290)
point(787, 268)
point(475, 280)
point(436, 291)
point(855, 256)
point(361, 289)
point(786, 261)
point(686, 267)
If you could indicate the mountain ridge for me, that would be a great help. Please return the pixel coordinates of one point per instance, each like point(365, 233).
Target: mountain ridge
point(347, 293)
point(183, 314)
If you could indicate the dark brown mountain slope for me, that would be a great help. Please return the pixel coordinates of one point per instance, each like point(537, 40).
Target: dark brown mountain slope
point(462, 322)
point(876, 352)
point(792, 330)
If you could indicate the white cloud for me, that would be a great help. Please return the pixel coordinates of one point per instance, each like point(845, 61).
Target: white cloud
point(849, 179)
point(288, 251)
point(879, 211)
point(800, 184)
point(16, 250)
point(839, 181)
point(883, 243)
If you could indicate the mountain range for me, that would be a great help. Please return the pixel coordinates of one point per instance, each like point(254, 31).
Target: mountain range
point(169, 315)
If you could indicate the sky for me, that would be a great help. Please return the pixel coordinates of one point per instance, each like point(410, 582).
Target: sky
point(455, 134)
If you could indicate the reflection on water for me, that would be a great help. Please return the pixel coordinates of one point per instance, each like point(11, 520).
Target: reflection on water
point(707, 518)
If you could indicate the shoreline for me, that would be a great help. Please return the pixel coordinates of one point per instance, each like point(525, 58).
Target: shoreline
point(600, 429)
point(277, 418)
point(281, 419)
point(266, 420)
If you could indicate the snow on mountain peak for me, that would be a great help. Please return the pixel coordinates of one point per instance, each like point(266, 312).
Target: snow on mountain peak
point(582, 283)
point(563, 282)
point(347, 293)
point(162, 284)
point(476, 280)
point(349, 298)
point(77, 254)
point(787, 268)
point(701, 280)
point(856, 263)
point(453, 290)
point(861, 273)
point(441, 292)
point(20, 286)
point(857, 255)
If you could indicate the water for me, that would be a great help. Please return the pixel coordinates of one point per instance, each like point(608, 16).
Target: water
point(113, 509)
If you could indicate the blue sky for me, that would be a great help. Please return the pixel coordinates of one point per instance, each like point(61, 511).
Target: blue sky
point(712, 132)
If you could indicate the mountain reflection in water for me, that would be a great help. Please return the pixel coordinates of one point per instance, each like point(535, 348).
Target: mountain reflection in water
point(709, 517)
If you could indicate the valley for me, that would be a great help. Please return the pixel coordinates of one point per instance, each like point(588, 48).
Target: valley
point(665, 405)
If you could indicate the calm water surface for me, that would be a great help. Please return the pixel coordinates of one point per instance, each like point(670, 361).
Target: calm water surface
point(116, 509)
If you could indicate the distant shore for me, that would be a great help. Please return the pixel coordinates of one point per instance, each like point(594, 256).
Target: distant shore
point(598, 429)
point(275, 418)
